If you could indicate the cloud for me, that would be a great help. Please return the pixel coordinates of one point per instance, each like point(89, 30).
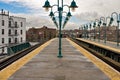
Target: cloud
point(71, 25)
point(87, 10)
point(32, 20)
point(87, 16)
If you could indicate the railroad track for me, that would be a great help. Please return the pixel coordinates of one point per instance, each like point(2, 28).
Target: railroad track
point(6, 62)
point(113, 63)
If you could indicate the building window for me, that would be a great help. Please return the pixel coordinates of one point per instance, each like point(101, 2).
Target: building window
point(2, 40)
point(9, 32)
point(21, 39)
point(9, 23)
point(15, 32)
point(21, 24)
point(3, 49)
point(21, 32)
point(9, 40)
point(15, 24)
point(2, 31)
point(15, 40)
point(3, 22)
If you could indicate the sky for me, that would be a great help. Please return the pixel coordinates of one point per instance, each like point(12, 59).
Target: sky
point(36, 16)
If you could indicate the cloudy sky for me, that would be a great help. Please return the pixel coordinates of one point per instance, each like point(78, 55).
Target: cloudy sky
point(36, 16)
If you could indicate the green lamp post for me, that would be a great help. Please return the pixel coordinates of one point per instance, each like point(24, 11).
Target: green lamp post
point(94, 24)
point(47, 5)
point(98, 25)
point(87, 31)
point(82, 28)
point(117, 28)
point(60, 11)
point(90, 31)
point(105, 26)
point(67, 18)
point(51, 14)
point(84, 31)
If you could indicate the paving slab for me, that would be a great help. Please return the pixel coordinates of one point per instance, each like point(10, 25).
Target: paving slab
point(46, 65)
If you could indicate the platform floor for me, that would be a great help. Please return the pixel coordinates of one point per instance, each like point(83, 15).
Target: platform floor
point(108, 43)
point(46, 65)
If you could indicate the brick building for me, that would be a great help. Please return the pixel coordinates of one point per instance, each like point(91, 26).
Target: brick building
point(39, 34)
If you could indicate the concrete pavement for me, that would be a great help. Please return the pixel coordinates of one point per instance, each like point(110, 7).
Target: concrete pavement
point(46, 65)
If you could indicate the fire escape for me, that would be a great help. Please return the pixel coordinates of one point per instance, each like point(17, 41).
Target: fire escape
point(13, 33)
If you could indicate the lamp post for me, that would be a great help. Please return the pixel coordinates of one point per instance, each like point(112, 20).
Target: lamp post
point(105, 25)
point(99, 30)
point(87, 31)
point(117, 28)
point(84, 31)
point(98, 22)
point(94, 24)
point(60, 11)
point(90, 31)
point(67, 17)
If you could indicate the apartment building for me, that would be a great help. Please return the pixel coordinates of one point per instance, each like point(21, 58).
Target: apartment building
point(39, 34)
point(12, 30)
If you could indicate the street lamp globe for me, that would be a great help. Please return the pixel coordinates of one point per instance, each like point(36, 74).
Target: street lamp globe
point(51, 14)
point(111, 20)
point(73, 5)
point(47, 5)
point(69, 14)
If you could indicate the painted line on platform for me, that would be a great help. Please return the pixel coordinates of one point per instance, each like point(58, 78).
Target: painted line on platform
point(8, 71)
point(108, 70)
point(101, 45)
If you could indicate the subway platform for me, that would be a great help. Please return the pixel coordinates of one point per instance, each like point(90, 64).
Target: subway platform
point(102, 42)
point(45, 65)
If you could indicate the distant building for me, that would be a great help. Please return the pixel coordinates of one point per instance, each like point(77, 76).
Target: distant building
point(111, 33)
point(72, 33)
point(12, 30)
point(39, 34)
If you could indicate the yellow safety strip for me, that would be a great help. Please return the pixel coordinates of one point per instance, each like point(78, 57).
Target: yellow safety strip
point(108, 70)
point(101, 45)
point(8, 71)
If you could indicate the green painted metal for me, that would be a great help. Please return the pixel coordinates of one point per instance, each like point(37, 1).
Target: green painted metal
point(117, 28)
point(69, 14)
point(10, 51)
point(16, 48)
point(60, 11)
point(94, 24)
point(90, 30)
point(47, 4)
point(73, 4)
point(51, 14)
point(60, 35)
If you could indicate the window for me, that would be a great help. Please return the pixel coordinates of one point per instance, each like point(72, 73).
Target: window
point(3, 50)
point(9, 23)
point(3, 22)
point(2, 40)
point(15, 24)
point(21, 39)
point(9, 31)
point(21, 24)
point(15, 40)
point(2, 31)
point(21, 32)
point(15, 32)
point(9, 40)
